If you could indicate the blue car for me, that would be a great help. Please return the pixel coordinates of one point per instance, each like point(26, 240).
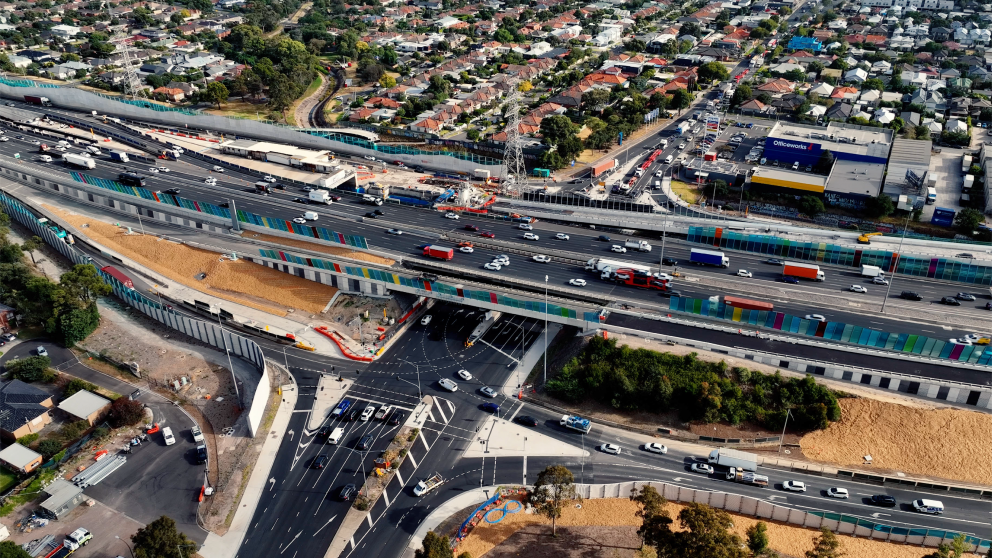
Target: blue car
point(490, 407)
point(790, 279)
point(750, 125)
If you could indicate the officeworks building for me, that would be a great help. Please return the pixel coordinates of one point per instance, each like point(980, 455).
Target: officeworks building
point(790, 143)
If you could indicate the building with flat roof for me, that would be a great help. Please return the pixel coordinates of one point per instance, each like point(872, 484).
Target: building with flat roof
point(21, 459)
point(851, 183)
point(790, 143)
point(790, 180)
point(306, 159)
point(85, 405)
point(63, 497)
point(909, 170)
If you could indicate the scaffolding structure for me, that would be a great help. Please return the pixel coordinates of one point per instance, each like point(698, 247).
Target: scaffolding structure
point(131, 83)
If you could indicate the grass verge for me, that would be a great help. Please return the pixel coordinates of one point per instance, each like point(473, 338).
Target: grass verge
point(688, 192)
point(314, 86)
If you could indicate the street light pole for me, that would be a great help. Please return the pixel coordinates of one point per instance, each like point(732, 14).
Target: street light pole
point(125, 544)
point(416, 367)
point(895, 267)
point(782, 439)
point(664, 233)
point(545, 329)
point(229, 361)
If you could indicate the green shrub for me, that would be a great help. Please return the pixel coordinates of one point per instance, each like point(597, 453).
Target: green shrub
point(48, 448)
point(76, 385)
point(31, 369)
point(413, 435)
point(643, 380)
point(29, 439)
point(362, 503)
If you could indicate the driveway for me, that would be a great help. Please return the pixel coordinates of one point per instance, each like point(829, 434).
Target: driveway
point(157, 479)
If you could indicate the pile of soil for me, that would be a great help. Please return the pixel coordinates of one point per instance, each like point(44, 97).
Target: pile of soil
point(315, 247)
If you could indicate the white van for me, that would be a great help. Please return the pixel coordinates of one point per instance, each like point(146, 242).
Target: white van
point(310, 215)
point(167, 435)
point(935, 507)
point(335, 436)
point(931, 195)
point(668, 160)
point(93, 149)
point(45, 159)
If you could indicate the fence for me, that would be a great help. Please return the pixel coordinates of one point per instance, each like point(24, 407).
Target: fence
point(206, 332)
point(745, 505)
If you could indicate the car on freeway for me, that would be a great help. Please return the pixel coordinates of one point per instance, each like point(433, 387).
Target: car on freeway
point(526, 420)
point(702, 468)
point(531, 236)
point(464, 374)
point(542, 258)
point(965, 296)
point(487, 234)
point(682, 145)
point(41, 351)
point(308, 189)
point(493, 266)
point(610, 448)
point(466, 249)
point(490, 407)
point(35, 142)
point(319, 462)
point(426, 319)
point(487, 391)
point(837, 492)
point(794, 486)
point(5, 138)
point(448, 384)
point(883, 500)
point(671, 293)
point(879, 280)
point(394, 231)
point(301, 200)
point(858, 289)
point(268, 178)
point(561, 236)
point(525, 227)
point(163, 169)
point(816, 317)
point(218, 169)
point(300, 221)
point(655, 447)
point(450, 215)
point(369, 157)
point(347, 492)
point(950, 301)
point(974, 338)
point(371, 215)
point(669, 261)
point(367, 413)
point(743, 273)
point(153, 170)
point(502, 259)
point(618, 249)
point(472, 228)
point(961, 341)
point(790, 280)
point(910, 295)
point(577, 282)
point(774, 261)
point(603, 238)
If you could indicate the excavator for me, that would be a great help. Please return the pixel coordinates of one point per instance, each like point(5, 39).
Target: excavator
point(866, 238)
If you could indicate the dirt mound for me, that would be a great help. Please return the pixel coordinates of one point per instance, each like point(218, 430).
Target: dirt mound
point(935, 443)
point(314, 247)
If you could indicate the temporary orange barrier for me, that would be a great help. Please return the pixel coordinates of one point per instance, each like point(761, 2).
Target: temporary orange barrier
point(333, 336)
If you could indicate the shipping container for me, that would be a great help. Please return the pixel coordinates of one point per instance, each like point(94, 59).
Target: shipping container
point(804, 270)
point(943, 217)
point(113, 272)
point(604, 167)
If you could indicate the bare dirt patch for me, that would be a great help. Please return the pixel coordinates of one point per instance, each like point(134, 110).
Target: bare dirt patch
point(934, 443)
point(314, 247)
point(239, 281)
point(535, 541)
point(348, 316)
point(616, 516)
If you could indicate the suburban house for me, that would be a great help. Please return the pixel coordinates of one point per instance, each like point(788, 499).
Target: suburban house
point(20, 458)
point(85, 405)
point(24, 409)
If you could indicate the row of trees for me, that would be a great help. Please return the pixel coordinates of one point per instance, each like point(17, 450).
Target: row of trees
point(643, 380)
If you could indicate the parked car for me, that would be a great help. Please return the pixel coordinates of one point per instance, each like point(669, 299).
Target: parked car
point(41, 351)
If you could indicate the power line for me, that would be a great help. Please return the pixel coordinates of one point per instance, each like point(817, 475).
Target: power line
point(132, 83)
point(514, 170)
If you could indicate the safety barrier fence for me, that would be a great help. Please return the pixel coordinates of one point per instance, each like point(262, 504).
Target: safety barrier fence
point(206, 332)
point(763, 509)
point(920, 345)
point(947, 269)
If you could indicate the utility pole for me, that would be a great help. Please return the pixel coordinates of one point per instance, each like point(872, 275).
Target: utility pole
point(545, 329)
point(782, 439)
point(895, 263)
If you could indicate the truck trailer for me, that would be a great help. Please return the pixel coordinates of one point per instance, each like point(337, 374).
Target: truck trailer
point(745, 477)
point(639, 245)
point(804, 270)
point(262, 187)
point(439, 252)
point(36, 100)
point(576, 423)
point(748, 304)
point(601, 264)
point(119, 156)
point(116, 274)
point(708, 257)
point(872, 271)
point(605, 167)
point(79, 160)
point(726, 457)
point(320, 196)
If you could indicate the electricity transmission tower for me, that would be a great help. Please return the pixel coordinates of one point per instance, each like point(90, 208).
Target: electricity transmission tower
point(514, 170)
point(131, 83)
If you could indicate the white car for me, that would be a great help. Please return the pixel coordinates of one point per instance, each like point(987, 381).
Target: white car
point(466, 249)
point(610, 448)
point(880, 281)
point(702, 468)
point(858, 289)
point(210, 180)
point(577, 282)
point(972, 337)
point(663, 276)
point(561, 236)
point(493, 266)
point(369, 157)
point(268, 178)
point(300, 221)
point(743, 273)
point(654, 447)
point(816, 317)
point(502, 259)
point(40, 351)
point(542, 258)
point(962, 341)
point(162, 169)
point(5, 138)
point(167, 436)
point(397, 232)
point(835, 492)
point(153, 170)
point(525, 227)
point(682, 145)
point(450, 215)
point(464, 374)
point(531, 236)
point(367, 413)
point(488, 391)
point(426, 320)
point(448, 384)
point(218, 169)
point(618, 249)
point(794, 486)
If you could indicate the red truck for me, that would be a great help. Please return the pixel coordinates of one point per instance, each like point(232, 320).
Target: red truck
point(113, 272)
point(632, 278)
point(605, 166)
point(747, 304)
point(439, 252)
point(804, 270)
point(36, 100)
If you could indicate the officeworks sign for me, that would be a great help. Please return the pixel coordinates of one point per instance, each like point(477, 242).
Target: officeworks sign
point(794, 145)
point(791, 150)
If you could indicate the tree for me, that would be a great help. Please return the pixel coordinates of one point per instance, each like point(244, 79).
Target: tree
point(595, 98)
point(557, 128)
point(554, 488)
point(29, 369)
point(76, 385)
point(161, 539)
point(525, 86)
point(655, 529)
point(879, 206)
point(825, 546)
point(713, 71)
point(10, 549)
point(435, 546)
point(757, 538)
point(387, 81)
point(681, 99)
point(216, 92)
point(954, 550)
point(49, 447)
point(705, 534)
point(967, 220)
point(126, 412)
point(742, 95)
point(811, 206)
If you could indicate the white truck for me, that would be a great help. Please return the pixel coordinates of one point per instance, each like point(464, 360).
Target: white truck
point(426, 485)
point(481, 173)
point(639, 245)
point(872, 271)
point(320, 196)
point(607, 267)
point(335, 436)
point(745, 477)
point(576, 423)
point(726, 457)
point(79, 160)
point(372, 200)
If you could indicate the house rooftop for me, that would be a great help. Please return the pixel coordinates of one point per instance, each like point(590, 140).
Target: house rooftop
point(83, 403)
